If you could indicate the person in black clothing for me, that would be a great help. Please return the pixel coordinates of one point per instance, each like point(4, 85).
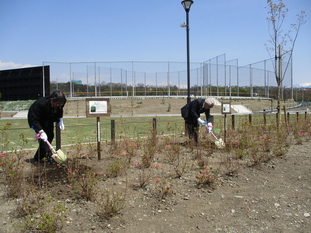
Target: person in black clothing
point(41, 116)
point(191, 113)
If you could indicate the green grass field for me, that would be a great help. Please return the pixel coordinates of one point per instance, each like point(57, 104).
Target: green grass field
point(16, 135)
point(84, 130)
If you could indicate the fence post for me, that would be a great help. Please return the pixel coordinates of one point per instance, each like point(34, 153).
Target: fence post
point(225, 128)
point(288, 115)
point(264, 119)
point(232, 122)
point(285, 116)
point(98, 138)
point(58, 137)
point(297, 116)
point(250, 118)
point(154, 130)
point(113, 132)
point(77, 108)
point(306, 115)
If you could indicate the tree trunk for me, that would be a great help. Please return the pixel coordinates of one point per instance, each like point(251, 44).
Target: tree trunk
point(279, 106)
point(279, 82)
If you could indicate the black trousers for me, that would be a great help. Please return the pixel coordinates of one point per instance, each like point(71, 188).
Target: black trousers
point(192, 128)
point(44, 150)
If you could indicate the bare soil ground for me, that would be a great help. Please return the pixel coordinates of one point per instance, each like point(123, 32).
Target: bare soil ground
point(274, 196)
point(160, 106)
point(155, 106)
point(270, 197)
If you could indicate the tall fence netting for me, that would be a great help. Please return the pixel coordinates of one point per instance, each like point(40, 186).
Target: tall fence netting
point(214, 77)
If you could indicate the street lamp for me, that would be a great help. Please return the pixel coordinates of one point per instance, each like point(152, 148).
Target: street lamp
point(187, 4)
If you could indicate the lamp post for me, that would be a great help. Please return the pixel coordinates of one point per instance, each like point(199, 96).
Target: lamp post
point(187, 4)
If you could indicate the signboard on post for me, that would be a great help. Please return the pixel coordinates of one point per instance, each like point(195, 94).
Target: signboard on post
point(225, 108)
point(98, 107)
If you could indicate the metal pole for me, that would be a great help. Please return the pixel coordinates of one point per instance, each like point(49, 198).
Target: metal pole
point(156, 83)
point(110, 74)
point(126, 84)
point(121, 73)
point(230, 80)
point(73, 78)
point(225, 71)
point(188, 58)
point(87, 80)
point(95, 79)
point(70, 80)
point(237, 78)
point(210, 76)
point(217, 76)
point(133, 80)
point(145, 83)
point(251, 80)
point(168, 80)
point(99, 81)
point(178, 84)
point(201, 73)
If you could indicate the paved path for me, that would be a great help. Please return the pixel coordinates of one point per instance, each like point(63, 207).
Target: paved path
point(241, 109)
point(21, 115)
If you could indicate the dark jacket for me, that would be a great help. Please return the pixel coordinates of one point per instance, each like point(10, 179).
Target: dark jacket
point(41, 114)
point(191, 111)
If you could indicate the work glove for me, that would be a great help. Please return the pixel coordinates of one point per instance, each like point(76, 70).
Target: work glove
point(42, 135)
point(61, 124)
point(209, 127)
point(202, 122)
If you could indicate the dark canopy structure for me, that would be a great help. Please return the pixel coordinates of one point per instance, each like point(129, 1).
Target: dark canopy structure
point(24, 83)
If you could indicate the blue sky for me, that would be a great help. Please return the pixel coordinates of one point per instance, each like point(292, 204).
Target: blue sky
point(34, 31)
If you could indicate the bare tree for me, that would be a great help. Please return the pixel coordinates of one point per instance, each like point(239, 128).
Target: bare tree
point(281, 42)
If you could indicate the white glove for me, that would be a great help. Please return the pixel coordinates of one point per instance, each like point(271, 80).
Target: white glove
point(61, 124)
point(209, 127)
point(202, 122)
point(43, 135)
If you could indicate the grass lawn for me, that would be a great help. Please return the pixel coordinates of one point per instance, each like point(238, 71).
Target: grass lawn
point(16, 135)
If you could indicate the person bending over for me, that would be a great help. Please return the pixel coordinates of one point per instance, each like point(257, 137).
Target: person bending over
point(191, 113)
point(41, 116)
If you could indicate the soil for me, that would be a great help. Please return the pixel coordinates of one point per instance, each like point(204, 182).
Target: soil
point(270, 197)
point(163, 106)
point(273, 196)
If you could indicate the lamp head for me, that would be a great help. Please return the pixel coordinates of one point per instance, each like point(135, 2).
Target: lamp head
point(187, 4)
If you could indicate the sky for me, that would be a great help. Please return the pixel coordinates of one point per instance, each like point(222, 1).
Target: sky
point(34, 31)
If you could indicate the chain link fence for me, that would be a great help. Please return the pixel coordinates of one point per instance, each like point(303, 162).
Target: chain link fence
point(214, 77)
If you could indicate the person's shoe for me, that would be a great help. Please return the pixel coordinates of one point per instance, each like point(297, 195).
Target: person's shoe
point(32, 161)
point(50, 160)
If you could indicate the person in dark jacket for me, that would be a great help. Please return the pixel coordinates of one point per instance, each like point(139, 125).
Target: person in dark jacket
point(41, 116)
point(191, 113)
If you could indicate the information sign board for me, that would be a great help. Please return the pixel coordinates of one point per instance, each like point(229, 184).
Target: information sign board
point(97, 107)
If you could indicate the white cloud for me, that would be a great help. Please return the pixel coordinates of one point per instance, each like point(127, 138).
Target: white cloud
point(12, 65)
